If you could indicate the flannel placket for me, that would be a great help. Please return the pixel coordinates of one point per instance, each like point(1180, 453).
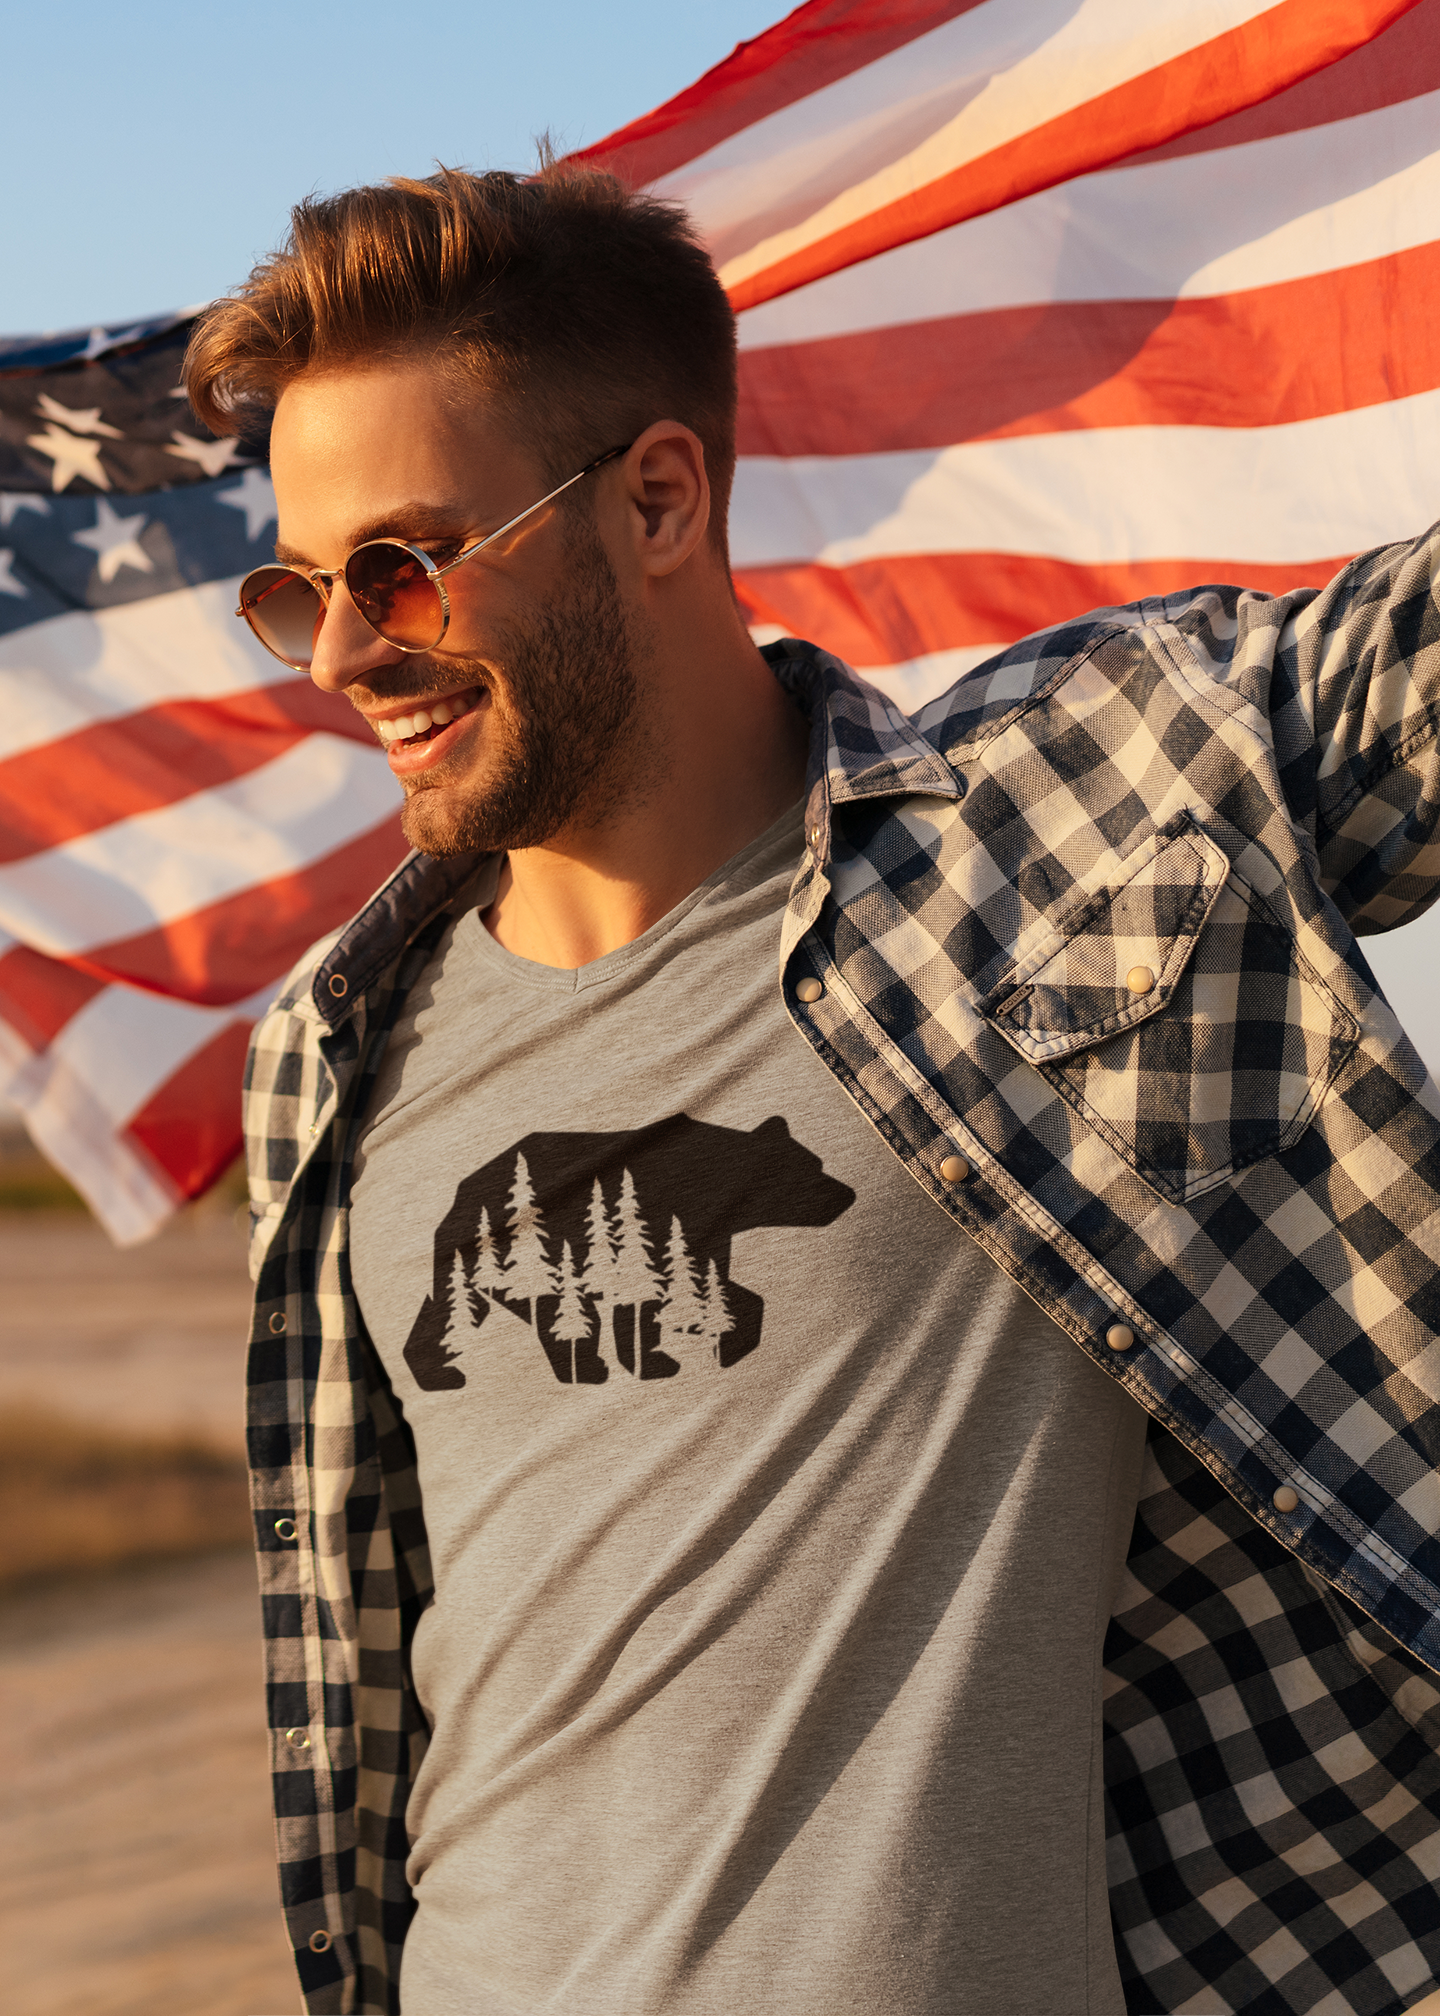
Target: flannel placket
point(1235, 1156)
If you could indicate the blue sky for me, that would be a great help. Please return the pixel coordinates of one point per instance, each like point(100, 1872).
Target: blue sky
point(150, 153)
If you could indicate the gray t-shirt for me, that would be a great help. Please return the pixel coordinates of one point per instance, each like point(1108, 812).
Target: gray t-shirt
point(763, 1668)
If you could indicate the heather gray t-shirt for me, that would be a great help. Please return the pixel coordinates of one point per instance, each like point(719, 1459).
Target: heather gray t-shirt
point(763, 1668)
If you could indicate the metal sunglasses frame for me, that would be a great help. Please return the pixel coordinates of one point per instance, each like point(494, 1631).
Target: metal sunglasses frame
point(323, 579)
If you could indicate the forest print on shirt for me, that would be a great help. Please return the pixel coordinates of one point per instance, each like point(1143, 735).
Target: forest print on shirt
point(614, 1250)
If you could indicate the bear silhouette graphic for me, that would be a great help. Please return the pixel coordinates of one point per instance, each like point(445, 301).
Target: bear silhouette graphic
point(615, 1248)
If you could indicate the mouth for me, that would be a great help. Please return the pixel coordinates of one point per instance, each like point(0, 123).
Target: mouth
point(423, 724)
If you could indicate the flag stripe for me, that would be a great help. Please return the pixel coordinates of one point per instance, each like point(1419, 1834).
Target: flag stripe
point(1283, 209)
point(160, 866)
point(214, 955)
point(158, 756)
point(38, 995)
point(945, 179)
point(1267, 495)
point(913, 606)
point(89, 665)
point(189, 1128)
point(813, 47)
point(1070, 365)
point(1402, 62)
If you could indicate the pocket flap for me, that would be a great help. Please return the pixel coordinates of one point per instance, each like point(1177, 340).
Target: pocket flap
point(1114, 959)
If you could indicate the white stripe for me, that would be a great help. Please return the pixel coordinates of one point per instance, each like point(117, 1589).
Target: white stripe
point(911, 682)
point(1308, 490)
point(1217, 223)
point(911, 117)
point(96, 665)
point(165, 864)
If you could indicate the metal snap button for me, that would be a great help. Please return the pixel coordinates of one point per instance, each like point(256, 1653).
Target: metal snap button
point(808, 989)
point(955, 1169)
point(1285, 1499)
point(1120, 1337)
point(339, 986)
point(319, 1942)
point(815, 838)
point(298, 1739)
point(1139, 979)
point(277, 1323)
point(285, 1529)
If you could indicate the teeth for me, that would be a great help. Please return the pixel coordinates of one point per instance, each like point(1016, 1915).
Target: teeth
point(438, 714)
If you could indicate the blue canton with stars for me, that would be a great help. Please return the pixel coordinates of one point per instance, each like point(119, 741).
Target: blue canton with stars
point(110, 489)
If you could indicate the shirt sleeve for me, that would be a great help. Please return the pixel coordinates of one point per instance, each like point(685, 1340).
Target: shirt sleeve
point(1354, 703)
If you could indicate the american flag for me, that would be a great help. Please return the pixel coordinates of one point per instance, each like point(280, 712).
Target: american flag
point(1042, 307)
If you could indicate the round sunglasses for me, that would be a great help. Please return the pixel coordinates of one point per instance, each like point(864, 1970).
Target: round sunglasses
point(397, 588)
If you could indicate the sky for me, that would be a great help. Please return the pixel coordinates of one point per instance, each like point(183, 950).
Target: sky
point(152, 152)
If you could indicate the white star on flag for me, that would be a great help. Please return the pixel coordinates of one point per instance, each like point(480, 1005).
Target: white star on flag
point(214, 457)
point(12, 503)
point(116, 541)
point(255, 496)
point(8, 584)
point(100, 341)
point(87, 421)
point(72, 457)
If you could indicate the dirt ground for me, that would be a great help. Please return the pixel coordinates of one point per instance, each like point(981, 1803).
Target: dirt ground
point(136, 1862)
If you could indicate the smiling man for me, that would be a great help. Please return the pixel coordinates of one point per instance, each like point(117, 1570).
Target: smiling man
point(727, 1208)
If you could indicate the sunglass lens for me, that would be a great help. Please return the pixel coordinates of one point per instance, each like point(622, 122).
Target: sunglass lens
point(395, 595)
point(285, 611)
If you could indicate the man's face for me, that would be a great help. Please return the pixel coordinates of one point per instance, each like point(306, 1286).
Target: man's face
point(533, 693)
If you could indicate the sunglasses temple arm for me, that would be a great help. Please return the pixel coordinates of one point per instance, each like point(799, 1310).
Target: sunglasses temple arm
point(529, 511)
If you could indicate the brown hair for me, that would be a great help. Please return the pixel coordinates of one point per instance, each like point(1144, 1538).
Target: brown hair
point(587, 310)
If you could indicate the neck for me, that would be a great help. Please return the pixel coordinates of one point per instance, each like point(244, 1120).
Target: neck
point(725, 757)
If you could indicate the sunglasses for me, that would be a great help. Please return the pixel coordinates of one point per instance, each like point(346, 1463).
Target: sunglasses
point(398, 590)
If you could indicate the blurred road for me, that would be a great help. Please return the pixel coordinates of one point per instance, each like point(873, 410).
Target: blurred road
point(137, 1872)
point(151, 1338)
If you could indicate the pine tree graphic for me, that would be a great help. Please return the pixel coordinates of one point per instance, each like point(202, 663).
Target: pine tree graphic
point(633, 1280)
point(718, 1322)
point(487, 1276)
point(460, 1324)
point(684, 1314)
point(528, 1273)
point(572, 1319)
point(599, 1259)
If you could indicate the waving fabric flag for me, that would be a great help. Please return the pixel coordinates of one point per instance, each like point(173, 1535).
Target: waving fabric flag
point(1044, 308)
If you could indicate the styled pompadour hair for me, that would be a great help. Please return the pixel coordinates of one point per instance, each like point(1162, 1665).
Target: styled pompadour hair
point(584, 309)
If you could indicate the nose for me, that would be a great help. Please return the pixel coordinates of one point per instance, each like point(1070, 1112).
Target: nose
point(346, 648)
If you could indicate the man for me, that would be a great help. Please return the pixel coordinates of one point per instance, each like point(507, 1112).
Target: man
point(727, 1207)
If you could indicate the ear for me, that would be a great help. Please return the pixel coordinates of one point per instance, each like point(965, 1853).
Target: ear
point(669, 496)
point(772, 1131)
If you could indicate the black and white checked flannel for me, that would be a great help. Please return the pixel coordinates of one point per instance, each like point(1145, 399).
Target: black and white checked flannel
point(1240, 1163)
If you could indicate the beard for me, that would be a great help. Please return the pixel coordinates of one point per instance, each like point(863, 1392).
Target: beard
point(564, 738)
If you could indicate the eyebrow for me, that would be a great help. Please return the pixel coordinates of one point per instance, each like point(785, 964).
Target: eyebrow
point(416, 524)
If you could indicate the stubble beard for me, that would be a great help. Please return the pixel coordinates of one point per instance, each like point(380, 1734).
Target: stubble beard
point(564, 736)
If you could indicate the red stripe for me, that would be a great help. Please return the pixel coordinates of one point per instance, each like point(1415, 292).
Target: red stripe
point(1236, 69)
point(226, 951)
point(39, 995)
point(1328, 343)
point(156, 756)
point(882, 612)
point(1401, 63)
point(189, 1130)
point(815, 46)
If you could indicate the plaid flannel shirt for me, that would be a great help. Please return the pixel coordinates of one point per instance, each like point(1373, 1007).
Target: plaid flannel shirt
point(1239, 1164)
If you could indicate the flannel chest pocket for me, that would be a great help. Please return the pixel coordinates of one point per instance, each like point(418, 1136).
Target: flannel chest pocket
point(1174, 1011)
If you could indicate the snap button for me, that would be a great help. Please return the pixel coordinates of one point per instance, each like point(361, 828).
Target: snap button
point(277, 1323)
point(1120, 1337)
point(319, 1942)
point(298, 1739)
point(1285, 1500)
point(1139, 979)
point(285, 1529)
point(815, 838)
point(955, 1169)
point(808, 989)
point(339, 986)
